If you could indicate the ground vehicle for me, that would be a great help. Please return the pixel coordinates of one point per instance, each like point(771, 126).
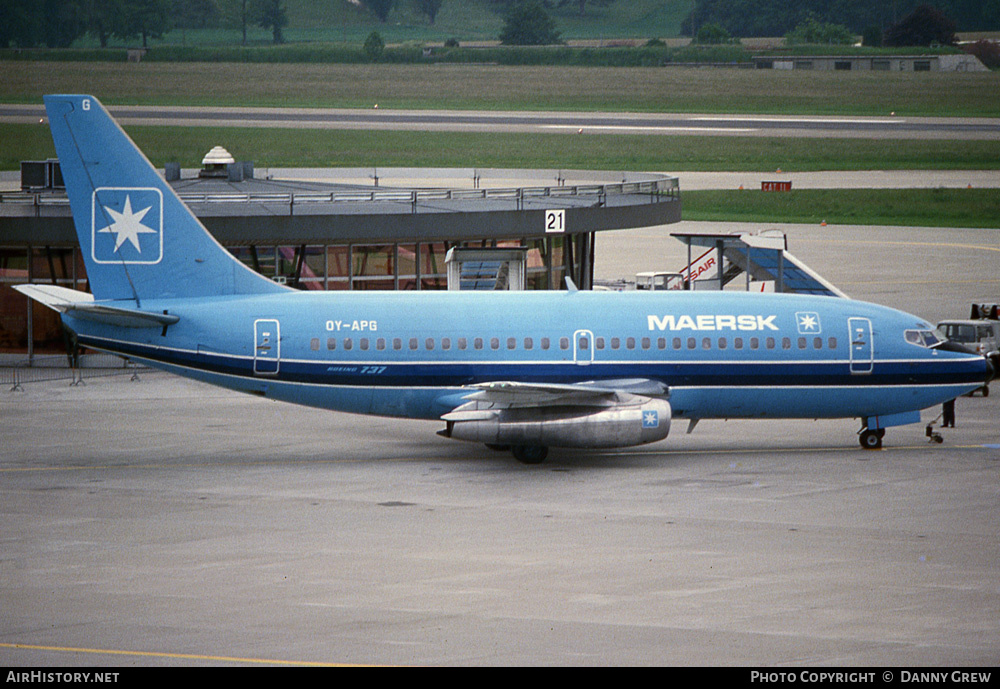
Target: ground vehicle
point(980, 332)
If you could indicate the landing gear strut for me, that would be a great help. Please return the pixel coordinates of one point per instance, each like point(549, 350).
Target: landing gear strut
point(871, 438)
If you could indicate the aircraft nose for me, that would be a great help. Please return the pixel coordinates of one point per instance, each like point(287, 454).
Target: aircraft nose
point(992, 365)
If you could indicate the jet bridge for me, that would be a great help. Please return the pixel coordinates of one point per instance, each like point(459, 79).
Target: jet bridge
point(762, 261)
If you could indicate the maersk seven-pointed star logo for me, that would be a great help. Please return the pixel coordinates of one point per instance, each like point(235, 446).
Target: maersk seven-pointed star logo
point(650, 419)
point(808, 322)
point(127, 225)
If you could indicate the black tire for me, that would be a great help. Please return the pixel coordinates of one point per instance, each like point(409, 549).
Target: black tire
point(530, 454)
point(871, 440)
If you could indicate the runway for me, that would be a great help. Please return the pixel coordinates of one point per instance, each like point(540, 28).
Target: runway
point(886, 127)
point(162, 522)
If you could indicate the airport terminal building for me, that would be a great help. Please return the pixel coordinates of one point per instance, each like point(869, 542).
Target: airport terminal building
point(346, 229)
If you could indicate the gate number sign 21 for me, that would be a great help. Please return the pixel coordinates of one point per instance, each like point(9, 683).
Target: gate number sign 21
point(555, 222)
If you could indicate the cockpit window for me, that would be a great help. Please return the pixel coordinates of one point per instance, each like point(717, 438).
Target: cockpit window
point(924, 338)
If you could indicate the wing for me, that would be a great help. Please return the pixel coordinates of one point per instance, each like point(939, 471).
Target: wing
point(495, 395)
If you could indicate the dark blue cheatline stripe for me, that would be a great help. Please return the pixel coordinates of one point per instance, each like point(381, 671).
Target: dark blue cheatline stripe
point(677, 374)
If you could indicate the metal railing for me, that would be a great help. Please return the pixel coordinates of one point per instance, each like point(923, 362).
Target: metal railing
point(663, 188)
point(37, 369)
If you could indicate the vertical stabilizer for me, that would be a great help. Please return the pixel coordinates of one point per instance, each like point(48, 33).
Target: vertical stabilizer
point(138, 239)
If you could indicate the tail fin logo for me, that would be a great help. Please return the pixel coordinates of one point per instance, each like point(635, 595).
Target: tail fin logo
point(127, 225)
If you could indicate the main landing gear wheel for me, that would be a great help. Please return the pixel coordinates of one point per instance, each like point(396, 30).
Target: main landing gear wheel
point(530, 454)
point(871, 439)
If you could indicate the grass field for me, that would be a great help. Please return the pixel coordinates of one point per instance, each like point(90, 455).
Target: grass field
point(635, 89)
point(913, 207)
point(466, 20)
point(355, 148)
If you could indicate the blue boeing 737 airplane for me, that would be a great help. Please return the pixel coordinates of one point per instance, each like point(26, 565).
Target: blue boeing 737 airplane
point(518, 370)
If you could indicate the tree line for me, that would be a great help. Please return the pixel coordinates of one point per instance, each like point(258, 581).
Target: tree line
point(57, 23)
point(748, 18)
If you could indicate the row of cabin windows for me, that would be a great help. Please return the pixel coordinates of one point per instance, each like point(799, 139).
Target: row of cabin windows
point(583, 343)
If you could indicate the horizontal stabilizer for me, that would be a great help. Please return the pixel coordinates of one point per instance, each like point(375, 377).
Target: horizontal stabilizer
point(82, 305)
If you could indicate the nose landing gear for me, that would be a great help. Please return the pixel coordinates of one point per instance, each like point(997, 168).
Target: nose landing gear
point(871, 438)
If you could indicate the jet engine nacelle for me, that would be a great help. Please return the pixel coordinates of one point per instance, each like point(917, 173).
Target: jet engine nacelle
point(571, 426)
